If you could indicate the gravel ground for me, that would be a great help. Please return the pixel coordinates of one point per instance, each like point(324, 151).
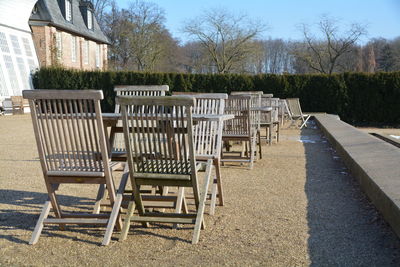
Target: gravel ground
point(298, 206)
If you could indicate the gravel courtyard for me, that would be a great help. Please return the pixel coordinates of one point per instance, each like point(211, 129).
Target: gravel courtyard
point(299, 206)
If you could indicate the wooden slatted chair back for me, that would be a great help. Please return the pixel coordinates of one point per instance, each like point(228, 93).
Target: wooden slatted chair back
point(275, 111)
point(283, 108)
point(69, 131)
point(139, 90)
point(206, 134)
point(160, 141)
point(255, 103)
point(207, 103)
point(269, 117)
point(239, 106)
point(133, 90)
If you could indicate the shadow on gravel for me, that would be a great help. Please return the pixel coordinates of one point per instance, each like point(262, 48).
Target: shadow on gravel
point(21, 209)
point(344, 228)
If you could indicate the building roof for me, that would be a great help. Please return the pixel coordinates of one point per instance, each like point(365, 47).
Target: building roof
point(49, 12)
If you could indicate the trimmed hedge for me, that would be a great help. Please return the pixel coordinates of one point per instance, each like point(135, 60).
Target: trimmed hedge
point(358, 98)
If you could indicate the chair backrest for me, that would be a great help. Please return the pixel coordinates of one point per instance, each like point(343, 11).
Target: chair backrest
point(18, 101)
point(294, 107)
point(272, 116)
point(207, 133)
point(240, 107)
point(69, 131)
point(159, 142)
point(247, 92)
point(283, 108)
point(206, 103)
point(139, 90)
point(255, 104)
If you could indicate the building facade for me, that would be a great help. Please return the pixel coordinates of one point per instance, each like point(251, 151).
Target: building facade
point(66, 33)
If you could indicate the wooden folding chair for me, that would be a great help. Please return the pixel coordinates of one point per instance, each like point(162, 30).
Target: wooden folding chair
point(118, 150)
point(284, 112)
point(242, 128)
point(71, 143)
point(158, 135)
point(255, 113)
point(18, 104)
point(296, 113)
point(270, 119)
point(208, 137)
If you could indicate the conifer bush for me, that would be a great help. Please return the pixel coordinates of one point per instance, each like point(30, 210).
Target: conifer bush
point(358, 98)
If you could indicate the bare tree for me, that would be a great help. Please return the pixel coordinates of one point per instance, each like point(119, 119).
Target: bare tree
point(100, 9)
point(147, 21)
point(278, 58)
point(226, 38)
point(322, 55)
point(140, 41)
point(118, 28)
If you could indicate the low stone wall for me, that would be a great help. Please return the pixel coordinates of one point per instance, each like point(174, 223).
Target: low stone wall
point(373, 162)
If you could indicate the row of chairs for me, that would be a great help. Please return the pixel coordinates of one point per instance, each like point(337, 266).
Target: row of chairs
point(164, 145)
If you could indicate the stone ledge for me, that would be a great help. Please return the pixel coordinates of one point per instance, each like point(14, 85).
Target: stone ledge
point(373, 162)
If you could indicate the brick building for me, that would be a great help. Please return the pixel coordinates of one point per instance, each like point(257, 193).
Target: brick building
point(66, 33)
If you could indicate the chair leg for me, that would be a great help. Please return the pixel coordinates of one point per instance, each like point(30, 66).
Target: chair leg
point(217, 166)
point(259, 144)
point(213, 197)
point(305, 122)
point(100, 196)
point(115, 213)
point(179, 203)
point(39, 225)
point(202, 203)
point(271, 129)
point(252, 144)
point(127, 221)
point(277, 132)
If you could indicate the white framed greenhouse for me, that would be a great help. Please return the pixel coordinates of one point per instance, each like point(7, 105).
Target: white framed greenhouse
point(17, 52)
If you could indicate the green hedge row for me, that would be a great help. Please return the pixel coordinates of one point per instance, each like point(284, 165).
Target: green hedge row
point(356, 97)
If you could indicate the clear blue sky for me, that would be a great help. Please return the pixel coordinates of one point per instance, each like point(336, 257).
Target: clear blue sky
point(284, 16)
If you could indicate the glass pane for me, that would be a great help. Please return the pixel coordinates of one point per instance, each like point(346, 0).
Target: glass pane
point(24, 74)
point(3, 43)
point(27, 46)
point(32, 65)
point(73, 48)
point(15, 44)
point(12, 75)
point(68, 10)
point(3, 88)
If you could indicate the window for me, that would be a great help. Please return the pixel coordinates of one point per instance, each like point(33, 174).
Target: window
point(3, 87)
point(58, 45)
point(27, 46)
point(15, 44)
point(68, 10)
point(73, 48)
point(24, 74)
point(89, 19)
point(86, 52)
point(3, 43)
point(12, 75)
point(31, 64)
point(98, 56)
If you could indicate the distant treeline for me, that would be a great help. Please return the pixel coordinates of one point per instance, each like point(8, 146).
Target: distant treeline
point(358, 98)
